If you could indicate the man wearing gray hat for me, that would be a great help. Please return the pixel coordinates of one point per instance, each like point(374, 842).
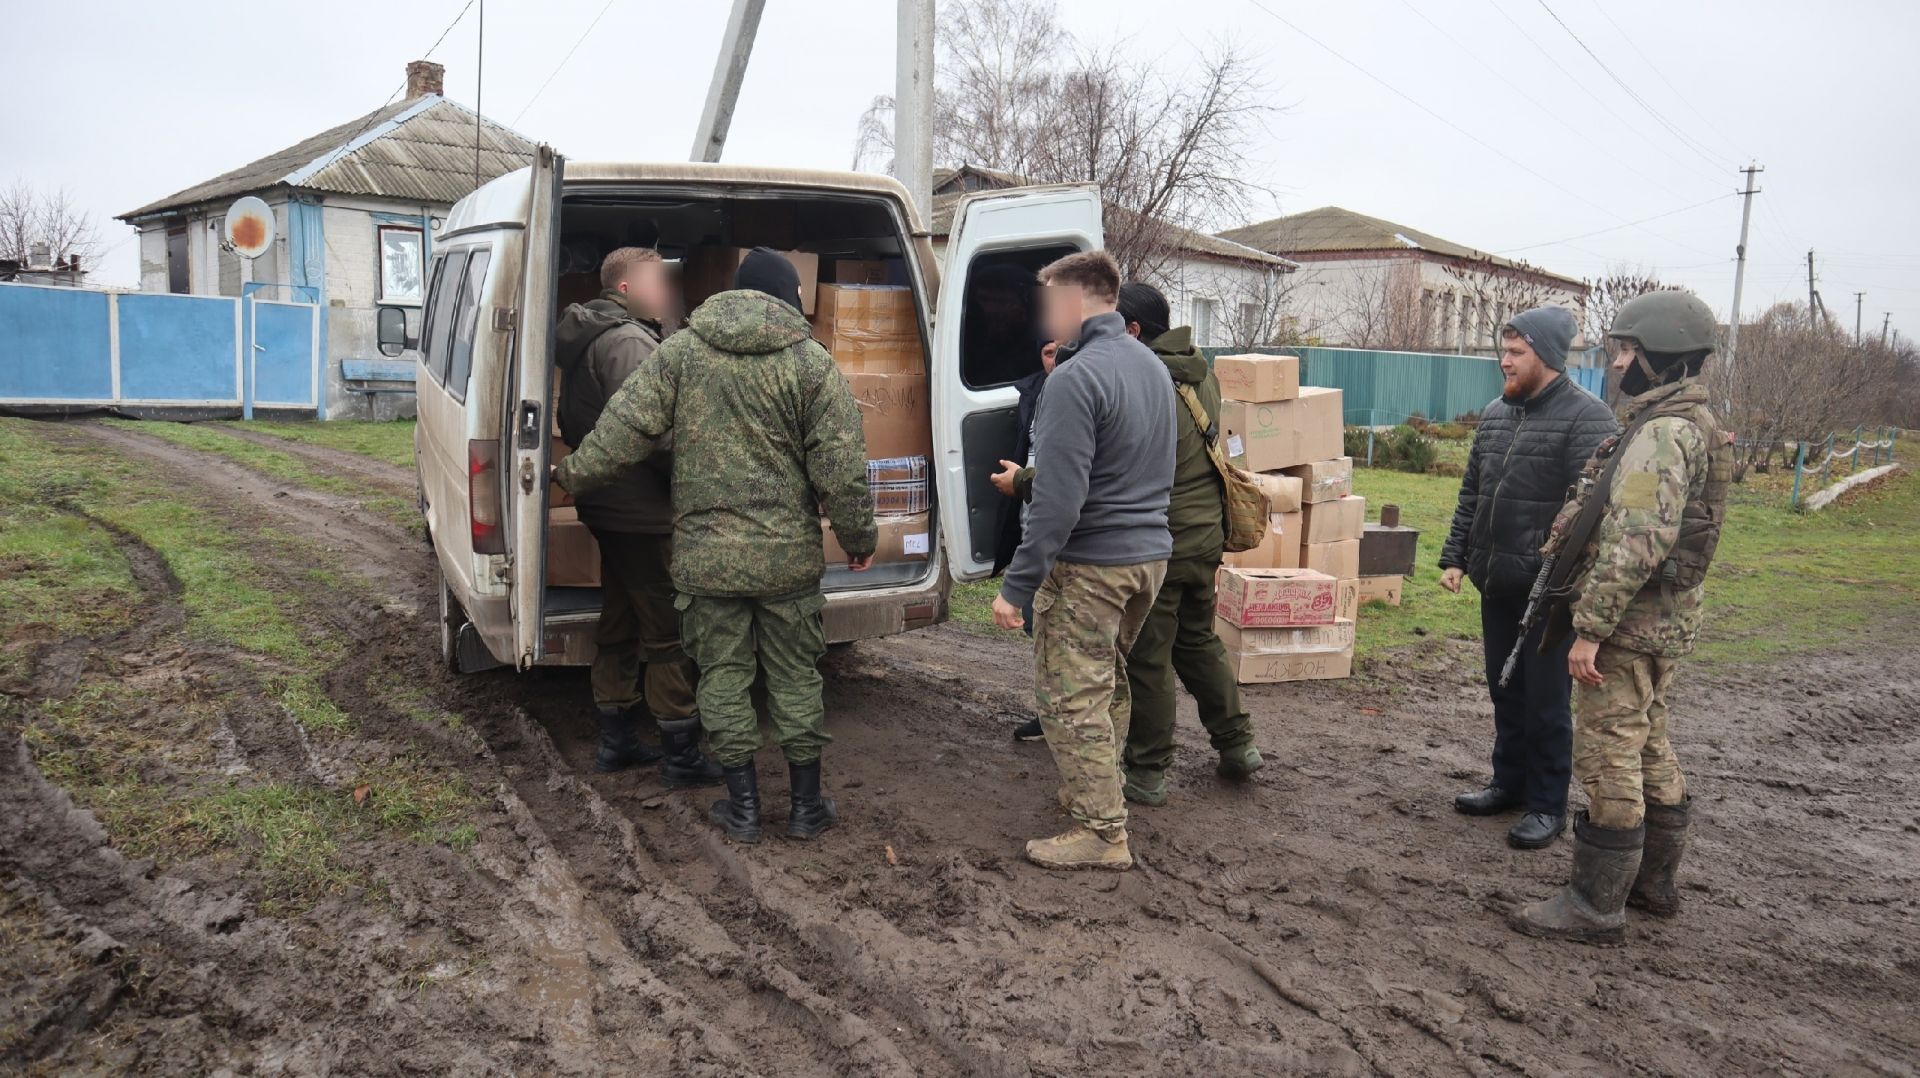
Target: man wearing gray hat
point(1528, 450)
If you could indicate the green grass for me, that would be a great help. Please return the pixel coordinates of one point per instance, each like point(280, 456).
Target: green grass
point(60, 576)
point(391, 442)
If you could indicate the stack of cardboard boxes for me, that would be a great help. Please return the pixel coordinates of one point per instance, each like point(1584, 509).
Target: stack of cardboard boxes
point(1291, 437)
point(1285, 624)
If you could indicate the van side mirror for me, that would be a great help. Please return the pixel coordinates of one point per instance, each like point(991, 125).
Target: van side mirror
point(391, 331)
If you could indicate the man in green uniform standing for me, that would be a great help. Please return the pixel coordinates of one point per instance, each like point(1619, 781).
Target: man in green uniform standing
point(1641, 569)
point(766, 433)
point(1178, 637)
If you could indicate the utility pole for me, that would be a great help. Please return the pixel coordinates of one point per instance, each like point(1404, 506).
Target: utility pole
point(729, 70)
point(1740, 268)
point(1884, 323)
point(1857, 297)
point(913, 103)
point(1813, 298)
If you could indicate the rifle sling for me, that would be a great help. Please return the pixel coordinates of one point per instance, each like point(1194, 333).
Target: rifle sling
point(1592, 510)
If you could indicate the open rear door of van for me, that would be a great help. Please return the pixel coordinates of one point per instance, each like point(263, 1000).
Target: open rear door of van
point(974, 427)
point(532, 424)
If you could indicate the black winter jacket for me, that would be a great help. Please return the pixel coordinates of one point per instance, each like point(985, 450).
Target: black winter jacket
point(1525, 456)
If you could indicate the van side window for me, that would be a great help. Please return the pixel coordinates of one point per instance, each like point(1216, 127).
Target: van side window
point(466, 323)
point(436, 333)
point(1000, 334)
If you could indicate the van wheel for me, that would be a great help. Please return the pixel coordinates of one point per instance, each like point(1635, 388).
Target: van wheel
point(452, 618)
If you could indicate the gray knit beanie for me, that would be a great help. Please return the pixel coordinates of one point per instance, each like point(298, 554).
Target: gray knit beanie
point(1549, 330)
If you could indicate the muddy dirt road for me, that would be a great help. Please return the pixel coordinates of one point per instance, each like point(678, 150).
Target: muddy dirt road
point(1334, 916)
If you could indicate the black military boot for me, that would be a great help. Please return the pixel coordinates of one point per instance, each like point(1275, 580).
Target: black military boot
point(1488, 802)
point(811, 813)
point(1592, 906)
point(1536, 831)
point(619, 747)
point(739, 813)
point(1653, 889)
point(684, 765)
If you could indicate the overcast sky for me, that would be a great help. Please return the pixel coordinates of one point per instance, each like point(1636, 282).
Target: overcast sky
point(123, 103)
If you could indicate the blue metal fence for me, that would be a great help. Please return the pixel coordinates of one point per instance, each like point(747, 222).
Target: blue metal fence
point(1384, 388)
point(71, 348)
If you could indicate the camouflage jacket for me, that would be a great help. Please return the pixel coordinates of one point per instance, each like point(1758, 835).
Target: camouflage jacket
point(766, 436)
point(1622, 599)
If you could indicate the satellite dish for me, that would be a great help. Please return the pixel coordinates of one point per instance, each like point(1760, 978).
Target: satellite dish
point(249, 227)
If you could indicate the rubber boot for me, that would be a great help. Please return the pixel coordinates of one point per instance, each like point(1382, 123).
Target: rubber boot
point(1653, 889)
point(619, 747)
point(1592, 906)
point(811, 812)
point(738, 814)
point(1239, 763)
point(684, 765)
point(1143, 785)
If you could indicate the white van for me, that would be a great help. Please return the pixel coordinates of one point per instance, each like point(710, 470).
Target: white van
point(513, 253)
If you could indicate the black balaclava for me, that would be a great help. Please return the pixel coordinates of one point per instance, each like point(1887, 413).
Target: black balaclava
point(767, 270)
point(1143, 303)
point(1651, 370)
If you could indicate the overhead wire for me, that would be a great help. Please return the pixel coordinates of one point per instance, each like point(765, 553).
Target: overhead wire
point(1601, 7)
point(584, 34)
point(398, 90)
point(1616, 228)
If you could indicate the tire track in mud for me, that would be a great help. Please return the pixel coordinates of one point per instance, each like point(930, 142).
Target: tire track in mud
point(390, 478)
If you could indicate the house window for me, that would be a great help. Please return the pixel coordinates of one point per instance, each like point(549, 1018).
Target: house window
point(1202, 322)
point(1252, 331)
point(179, 281)
point(402, 264)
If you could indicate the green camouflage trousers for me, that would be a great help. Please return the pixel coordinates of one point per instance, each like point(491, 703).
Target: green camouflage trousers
point(1178, 639)
point(1085, 620)
point(1620, 751)
point(730, 640)
point(638, 625)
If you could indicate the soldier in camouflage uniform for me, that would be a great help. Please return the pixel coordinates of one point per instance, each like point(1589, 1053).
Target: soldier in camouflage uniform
point(766, 434)
point(1637, 610)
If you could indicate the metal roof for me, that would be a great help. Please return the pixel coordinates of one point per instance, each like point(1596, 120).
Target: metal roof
point(1189, 241)
point(1333, 229)
point(415, 151)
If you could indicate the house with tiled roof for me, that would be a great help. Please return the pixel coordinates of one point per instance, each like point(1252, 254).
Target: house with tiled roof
point(1357, 269)
point(354, 210)
point(1221, 288)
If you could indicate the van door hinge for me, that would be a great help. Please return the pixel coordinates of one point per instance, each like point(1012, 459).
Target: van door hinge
point(526, 476)
point(505, 319)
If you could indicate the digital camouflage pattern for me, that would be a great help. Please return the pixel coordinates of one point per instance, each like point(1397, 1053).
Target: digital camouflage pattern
point(1178, 641)
point(1642, 587)
point(637, 641)
point(1621, 754)
point(1085, 620)
point(766, 436)
point(729, 638)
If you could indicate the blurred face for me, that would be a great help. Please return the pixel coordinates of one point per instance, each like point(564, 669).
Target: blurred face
point(1525, 372)
point(1624, 351)
point(1048, 352)
point(1062, 309)
point(648, 286)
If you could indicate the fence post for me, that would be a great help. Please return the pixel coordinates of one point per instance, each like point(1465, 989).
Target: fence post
point(1826, 466)
point(1799, 465)
point(1853, 459)
point(1371, 417)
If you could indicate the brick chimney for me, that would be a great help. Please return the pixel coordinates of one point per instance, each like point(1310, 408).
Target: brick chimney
point(425, 77)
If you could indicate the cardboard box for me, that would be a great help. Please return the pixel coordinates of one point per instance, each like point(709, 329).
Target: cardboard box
point(573, 558)
point(1346, 599)
point(1388, 551)
point(1324, 480)
point(869, 327)
point(1258, 378)
point(899, 485)
point(1290, 640)
point(1279, 550)
point(1282, 490)
point(1265, 598)
point(1270, 436)
point(710, 269)
point(893, 412)
point(1339, 560)
point(1256, 669)
point(1334, 521)
point(869, 271)
point(907, 537)
point(1381, 589)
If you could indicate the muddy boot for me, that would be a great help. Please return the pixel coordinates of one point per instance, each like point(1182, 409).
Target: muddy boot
point(1144, 785)
point(1591, 908)
point(683, 764)
point(1083, 847)
point(739, 813)
point(1653, 889)
point(811, 812)
point(619, 747)
point(1240, 763)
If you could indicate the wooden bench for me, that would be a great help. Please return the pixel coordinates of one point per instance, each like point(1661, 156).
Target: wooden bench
point(375, 376)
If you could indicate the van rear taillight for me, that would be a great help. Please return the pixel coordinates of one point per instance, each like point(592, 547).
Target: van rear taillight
point(483, 496)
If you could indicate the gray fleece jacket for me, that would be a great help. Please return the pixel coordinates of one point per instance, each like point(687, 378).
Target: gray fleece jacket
point(1103, 451)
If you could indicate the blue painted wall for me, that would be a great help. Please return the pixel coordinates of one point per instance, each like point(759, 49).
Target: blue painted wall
point(54, 344)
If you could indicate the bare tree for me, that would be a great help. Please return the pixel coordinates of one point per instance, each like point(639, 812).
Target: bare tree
point(1793, 381)
point(1607, 295)
point(1496, 292)
point(1384, 309)
point(35, 223)
point(1258, 308)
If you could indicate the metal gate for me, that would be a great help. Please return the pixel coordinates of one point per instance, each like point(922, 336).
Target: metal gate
point(284, 343)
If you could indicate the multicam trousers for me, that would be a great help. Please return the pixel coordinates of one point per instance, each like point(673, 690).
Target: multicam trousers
point(1086, 618)
point(733, 638)
point(1178, 639)
point(638, 624)
point(1620, 750)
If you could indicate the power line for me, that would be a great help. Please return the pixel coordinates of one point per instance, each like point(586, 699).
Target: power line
point(1655, 68)
point(1690, 143)
point(563, 63)
point(428, 55)
point(1616, 228)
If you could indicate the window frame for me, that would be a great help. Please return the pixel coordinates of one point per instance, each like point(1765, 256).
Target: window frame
point(380, 230)
point(466, 319)
point(434, 339)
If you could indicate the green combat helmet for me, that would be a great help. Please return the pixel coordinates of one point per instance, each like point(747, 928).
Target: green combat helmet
point(1669, 322)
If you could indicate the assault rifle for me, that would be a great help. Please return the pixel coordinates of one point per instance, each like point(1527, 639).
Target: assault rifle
point(1536, 603)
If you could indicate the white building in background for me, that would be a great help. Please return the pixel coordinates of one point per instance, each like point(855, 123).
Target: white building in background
point(1226, 291)
point(354, 211)
point(1363, 280)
